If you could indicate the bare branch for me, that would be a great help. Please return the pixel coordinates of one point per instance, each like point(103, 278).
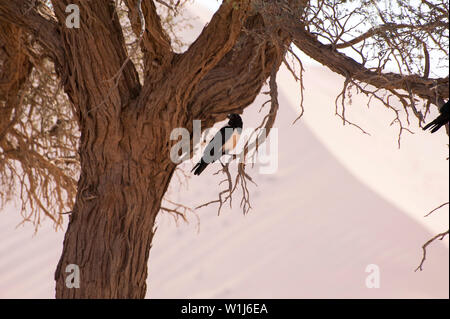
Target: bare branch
point(382, 29)
point(347, 67)
point(439, 207)
point(440, 236)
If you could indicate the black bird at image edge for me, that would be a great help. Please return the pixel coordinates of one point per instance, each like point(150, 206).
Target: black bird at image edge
point(225, 141)
point(441, 120)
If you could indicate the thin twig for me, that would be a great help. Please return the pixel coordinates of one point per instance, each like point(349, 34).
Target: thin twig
point(440, 236)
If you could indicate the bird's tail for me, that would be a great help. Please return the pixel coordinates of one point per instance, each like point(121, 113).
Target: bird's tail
point(434, 125)
point(199, 167)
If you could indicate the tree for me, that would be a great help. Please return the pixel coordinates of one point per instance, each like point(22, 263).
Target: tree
point(117, 87)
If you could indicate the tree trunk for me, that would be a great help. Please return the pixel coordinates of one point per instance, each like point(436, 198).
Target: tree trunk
point(125, 134)
point(111, 227)
point(125, 164)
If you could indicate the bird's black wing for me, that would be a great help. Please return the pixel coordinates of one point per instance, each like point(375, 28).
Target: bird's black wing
point(445, 109)
point(441, 120)
point(213, 150)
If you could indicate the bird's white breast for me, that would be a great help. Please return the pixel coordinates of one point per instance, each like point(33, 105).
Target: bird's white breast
point(231, 143)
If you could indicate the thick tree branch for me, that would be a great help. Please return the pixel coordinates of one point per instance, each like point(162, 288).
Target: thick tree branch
point(98, 54)
point(215, 41)
point(237, 79)
point(24, 14)
point(155, 43)
point(188, 69)
point(428, 89)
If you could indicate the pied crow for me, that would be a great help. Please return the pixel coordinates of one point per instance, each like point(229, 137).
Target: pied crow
point(222, 143)
point(441, 120)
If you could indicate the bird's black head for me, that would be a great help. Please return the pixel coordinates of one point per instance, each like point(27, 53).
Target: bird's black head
point(234, 120)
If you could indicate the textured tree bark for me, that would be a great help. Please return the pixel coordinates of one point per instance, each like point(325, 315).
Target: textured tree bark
point(110, 232)
point(124, 170)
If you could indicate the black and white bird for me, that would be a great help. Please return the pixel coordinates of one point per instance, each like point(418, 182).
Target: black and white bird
point(441, 120)
point(222, 143)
